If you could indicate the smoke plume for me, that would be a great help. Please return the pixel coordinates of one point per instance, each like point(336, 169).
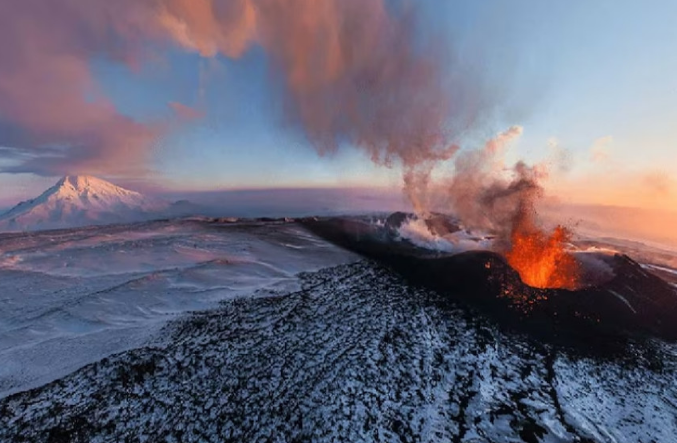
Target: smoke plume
point(486, 194)
point(481, 193)
point(354, 72)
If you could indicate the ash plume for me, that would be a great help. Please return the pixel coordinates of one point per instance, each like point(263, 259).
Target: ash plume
point(483, 196)
point(353, 72)
point(480, 193)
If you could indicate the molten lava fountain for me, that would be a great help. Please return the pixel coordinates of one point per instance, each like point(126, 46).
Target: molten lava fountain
point(541, 258)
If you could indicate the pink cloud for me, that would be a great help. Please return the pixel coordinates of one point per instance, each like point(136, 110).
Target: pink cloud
point(350, 70)
point(47, 89)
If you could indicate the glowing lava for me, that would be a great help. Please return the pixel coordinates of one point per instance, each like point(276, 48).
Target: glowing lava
point(542, 259)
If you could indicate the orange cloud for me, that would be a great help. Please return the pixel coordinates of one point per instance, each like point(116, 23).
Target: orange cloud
point(210, 27)
point(658, 182)
point(619, 187)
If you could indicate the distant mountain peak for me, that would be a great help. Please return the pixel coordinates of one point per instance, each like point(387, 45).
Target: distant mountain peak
point(84, 186)
point(82, 182)
point(80, 200)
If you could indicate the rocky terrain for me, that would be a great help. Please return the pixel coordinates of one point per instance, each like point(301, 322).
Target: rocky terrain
point(355, 355)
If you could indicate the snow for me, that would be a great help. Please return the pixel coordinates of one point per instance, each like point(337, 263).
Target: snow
point(72, 297)
point(80, 201)
point(416, 231)
point(662, 269)
point(354, 355)
point(624, 300)
point(191, 330)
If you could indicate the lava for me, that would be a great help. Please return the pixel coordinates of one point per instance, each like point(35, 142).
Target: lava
point(541, 258)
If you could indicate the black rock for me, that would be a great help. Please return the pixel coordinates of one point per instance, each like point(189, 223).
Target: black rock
point(633, 302)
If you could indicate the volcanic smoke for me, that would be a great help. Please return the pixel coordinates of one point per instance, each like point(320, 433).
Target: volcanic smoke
point(481, 196)
point(352, 72)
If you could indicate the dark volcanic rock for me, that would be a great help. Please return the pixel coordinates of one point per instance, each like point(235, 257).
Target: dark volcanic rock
point(634, 301)
point(356, 355)
point(440, 224)
point(395, 221)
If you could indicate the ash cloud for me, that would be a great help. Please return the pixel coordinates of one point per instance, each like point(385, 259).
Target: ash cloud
point(483, 191)
point(47, 90)
point(487, 194)
point(352, 71)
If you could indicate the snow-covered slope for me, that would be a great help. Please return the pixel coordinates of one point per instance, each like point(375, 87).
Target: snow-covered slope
point(286, 338)
point(80, 201)
point(72, 297)
point(356, 355)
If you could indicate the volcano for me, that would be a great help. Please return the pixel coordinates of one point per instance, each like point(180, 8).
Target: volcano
point(623, 301)
point(81, 200)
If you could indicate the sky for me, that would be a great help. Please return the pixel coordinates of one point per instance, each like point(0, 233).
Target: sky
point(592, 83)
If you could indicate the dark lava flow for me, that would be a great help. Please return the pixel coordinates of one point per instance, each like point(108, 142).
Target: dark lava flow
point(633, 303)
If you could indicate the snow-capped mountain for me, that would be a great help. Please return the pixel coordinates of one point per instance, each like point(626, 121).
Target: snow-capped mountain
point(80, 201)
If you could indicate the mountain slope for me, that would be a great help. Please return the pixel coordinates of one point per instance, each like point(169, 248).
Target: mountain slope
point(355, 355)
point(80, 201)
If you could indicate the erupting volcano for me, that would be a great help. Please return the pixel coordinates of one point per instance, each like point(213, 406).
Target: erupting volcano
point(487, 196)
point(541, 258)
point(537, 285)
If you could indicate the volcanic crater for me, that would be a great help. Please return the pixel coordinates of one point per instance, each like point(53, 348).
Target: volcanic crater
point(614, 297)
